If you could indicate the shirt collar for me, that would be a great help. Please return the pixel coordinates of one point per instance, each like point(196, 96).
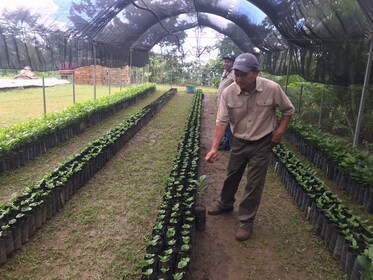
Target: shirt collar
point(258, 86)
point(226, 73)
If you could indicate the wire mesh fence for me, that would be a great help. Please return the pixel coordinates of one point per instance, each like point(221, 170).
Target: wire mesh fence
point(335, 110)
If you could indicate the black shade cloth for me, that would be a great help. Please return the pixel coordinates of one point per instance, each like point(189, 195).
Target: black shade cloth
point(319, 34)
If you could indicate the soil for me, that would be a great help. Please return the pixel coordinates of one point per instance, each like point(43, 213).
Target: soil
point(283, 244)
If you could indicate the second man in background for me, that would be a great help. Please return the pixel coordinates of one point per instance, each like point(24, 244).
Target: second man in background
point(226, 79)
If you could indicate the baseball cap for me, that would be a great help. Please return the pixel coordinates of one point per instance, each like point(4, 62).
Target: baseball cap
point(246, 62)
point(230, 57)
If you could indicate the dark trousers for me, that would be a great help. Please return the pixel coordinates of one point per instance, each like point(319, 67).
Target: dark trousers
point(255, 156)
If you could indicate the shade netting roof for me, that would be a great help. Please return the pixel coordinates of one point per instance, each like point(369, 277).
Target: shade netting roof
point(72, 33)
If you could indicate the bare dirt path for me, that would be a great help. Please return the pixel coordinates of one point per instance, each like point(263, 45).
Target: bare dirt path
point(283, 245)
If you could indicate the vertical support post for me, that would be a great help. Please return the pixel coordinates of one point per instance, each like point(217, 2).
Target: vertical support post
point(44, 99)
point(321, 106)
point(108, 80)
point(300, 98)
point(130, 72)
point(147, 71)
point(121, 79)
point(73, 87)
point(287, 73)
point(360, 116)
point(94, 71)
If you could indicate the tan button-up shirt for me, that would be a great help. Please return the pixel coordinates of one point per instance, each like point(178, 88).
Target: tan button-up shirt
point(225, 80)
point(253, 115)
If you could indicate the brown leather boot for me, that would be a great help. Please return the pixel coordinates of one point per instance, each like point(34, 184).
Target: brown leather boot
point(216, 210)
point(243, 234)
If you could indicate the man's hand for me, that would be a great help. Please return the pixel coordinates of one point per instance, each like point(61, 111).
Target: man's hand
point(280, 131)
point(211, 156)
point(276, 138)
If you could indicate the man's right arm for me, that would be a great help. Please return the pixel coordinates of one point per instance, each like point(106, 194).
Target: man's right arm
point(218, 136)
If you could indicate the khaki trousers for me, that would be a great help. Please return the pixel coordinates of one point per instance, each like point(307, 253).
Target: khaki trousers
point(255, 156)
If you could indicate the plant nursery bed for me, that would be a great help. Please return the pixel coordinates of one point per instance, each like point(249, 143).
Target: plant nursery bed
point(103, 230)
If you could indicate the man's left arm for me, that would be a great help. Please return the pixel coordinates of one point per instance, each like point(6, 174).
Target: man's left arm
point(287, 110)
point(280, 131)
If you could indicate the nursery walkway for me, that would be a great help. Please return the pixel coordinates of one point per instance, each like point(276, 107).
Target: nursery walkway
point(283, 245)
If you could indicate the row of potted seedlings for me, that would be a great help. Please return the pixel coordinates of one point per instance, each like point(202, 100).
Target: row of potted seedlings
point(169, 253)
point(350, 168)
point(22, 142)
point(24, 214)
point(345, 235)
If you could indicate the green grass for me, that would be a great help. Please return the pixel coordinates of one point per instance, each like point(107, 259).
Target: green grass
point(18, 105)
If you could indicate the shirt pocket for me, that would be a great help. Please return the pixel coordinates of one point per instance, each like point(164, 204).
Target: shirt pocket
point(264, 108)
point(236, 110)
point(233, 105)
point(264, 102)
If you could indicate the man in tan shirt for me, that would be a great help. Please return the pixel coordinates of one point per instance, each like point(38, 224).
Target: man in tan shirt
point(226, 79)
point(250, 106)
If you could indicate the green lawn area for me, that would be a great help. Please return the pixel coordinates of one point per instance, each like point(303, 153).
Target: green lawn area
point(17, 105)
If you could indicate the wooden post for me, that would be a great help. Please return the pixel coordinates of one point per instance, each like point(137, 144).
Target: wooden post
point(73, 87)
point(300, 98)
point(287, 73)
point(360, 116)
point(44, 99)
point(94, 70)
point(321, 106)
point(108, 80)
